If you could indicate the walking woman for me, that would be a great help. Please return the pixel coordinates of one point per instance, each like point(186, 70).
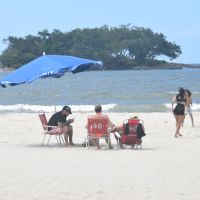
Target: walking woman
point(179, 110)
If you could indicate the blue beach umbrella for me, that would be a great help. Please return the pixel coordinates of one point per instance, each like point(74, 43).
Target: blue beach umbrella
point(48, 66)
point(45, 66)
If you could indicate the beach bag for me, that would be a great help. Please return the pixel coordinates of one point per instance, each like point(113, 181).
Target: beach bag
point(126, 128)
point(140, 131)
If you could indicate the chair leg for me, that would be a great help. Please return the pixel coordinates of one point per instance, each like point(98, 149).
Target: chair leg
point(118, 138)
point(117, 145)
point(62, 139)
point(57, 139)
point(109, 142)
point(108, 138)
point(49, 139)
point(87, 142)
point(88, 139)
point(44, 138)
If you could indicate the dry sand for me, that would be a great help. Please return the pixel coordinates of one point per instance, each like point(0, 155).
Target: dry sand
point(167, 168)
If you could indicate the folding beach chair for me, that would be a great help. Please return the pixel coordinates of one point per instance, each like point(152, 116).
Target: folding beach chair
point(133, 131)
point(54, 129)
point(97, 129)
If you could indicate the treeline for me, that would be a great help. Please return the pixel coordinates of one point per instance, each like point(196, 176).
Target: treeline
point(122, 47)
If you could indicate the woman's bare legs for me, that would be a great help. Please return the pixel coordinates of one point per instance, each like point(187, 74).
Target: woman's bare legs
point(191, 117)
point(179, 122)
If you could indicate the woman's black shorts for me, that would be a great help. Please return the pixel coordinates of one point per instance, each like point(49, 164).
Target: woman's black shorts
point(179, 109)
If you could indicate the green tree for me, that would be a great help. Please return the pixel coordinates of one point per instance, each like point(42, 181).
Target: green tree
point(120, 47)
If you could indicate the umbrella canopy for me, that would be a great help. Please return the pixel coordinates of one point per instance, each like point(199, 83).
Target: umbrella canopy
point(48, 66)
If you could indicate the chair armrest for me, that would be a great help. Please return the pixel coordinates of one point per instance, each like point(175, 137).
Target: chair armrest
point(46, 126)
point(117, 134)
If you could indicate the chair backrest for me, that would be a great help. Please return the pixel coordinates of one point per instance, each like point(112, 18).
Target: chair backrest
point(130, 126)
point(97, 126)
point(43, 119)
point(129, 136)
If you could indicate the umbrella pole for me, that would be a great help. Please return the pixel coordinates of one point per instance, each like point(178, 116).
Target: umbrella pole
point(53, 94)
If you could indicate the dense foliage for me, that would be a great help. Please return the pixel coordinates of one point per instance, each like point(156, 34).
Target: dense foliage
point(120, 47)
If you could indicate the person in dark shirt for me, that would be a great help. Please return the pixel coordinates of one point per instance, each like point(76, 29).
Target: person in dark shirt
point(60, 119)
point(179, 110)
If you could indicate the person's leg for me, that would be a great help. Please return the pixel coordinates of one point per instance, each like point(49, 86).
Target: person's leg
point(119, 130)
point(109, 142)
point(114, 130)
point(116, 138)
point(70, 133)
point(179, 123)
point(176, 118)
point(183, 119)
point(191, 117)
point(96, 142)
point(177, 130)
point(65, 133)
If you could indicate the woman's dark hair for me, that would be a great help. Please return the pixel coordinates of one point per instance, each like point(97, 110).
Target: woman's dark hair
point(98, 108)
point(188, 91)
point(181, 92)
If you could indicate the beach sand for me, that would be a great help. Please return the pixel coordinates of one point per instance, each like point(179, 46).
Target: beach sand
point(167, 168)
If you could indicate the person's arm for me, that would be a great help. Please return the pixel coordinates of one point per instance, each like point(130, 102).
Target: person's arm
point(110, 124)
point(69, 121)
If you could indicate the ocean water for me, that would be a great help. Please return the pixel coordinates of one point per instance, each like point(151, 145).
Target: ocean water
point(117, 91)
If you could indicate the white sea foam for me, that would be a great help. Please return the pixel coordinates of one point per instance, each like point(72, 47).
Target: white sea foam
point(175, 92)
point(172, 92)
point(35, 108)
point(195, 106)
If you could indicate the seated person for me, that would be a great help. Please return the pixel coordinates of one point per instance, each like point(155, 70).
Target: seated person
point(99, 115)
point(123, 129)
point(59, 119)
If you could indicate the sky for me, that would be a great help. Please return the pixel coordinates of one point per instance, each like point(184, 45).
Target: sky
point(178, 20)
